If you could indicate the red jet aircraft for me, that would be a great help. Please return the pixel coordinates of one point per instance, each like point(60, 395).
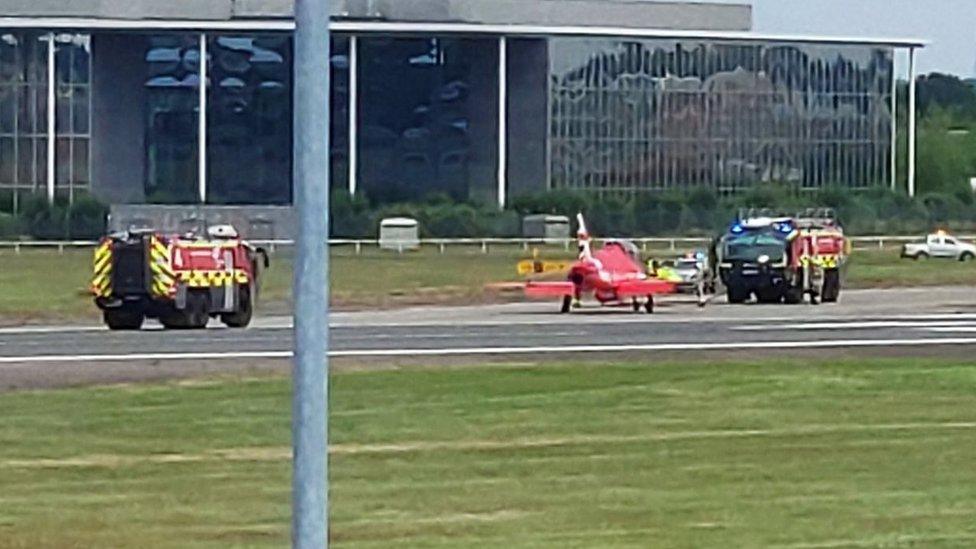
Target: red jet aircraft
point(613, 275)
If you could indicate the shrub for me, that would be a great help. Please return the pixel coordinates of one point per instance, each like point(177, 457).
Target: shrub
point(9, 226)
point(86, 218)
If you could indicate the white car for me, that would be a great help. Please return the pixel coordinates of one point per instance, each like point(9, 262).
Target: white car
point(939, 245)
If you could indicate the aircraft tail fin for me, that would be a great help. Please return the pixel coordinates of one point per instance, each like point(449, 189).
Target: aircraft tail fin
point(583, 238)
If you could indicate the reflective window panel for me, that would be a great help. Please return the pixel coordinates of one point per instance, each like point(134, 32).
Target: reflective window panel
point(658, 114)
point(249, 119)
point(72, 57)
point(428, 118)
point(339, 113)
point(23, 115)
point(172, 82)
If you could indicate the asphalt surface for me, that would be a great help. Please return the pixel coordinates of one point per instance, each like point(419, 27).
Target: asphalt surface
point(939, 321)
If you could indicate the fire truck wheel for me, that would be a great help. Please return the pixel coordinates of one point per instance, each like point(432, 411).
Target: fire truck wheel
point(794, 295)
point(831, 286)
point(567, 305)
point(121, 319)
point(769, 296)
point(193, 317)
point(242, 317)
point(649, 305)
point(196, 310)
point(736, 296)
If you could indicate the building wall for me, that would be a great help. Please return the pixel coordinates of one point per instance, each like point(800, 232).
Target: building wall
point(628, 13)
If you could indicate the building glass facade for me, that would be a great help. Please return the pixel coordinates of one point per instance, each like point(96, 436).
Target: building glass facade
point(23, 115)
point(606, 115)
point(631, 116)
point(428, 118)
point(72, 56)
point(339, 112)
point(249, 121)
point(172, 81)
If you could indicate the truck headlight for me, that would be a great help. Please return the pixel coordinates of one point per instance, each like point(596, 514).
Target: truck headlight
point(763, 259)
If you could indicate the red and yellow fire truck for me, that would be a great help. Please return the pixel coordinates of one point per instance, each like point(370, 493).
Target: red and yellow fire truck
point(181, 280)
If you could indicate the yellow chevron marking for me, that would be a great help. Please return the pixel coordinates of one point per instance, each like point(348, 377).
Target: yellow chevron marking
point(529, 266)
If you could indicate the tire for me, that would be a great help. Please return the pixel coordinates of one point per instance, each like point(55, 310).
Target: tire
point(921, 256)
point(242, 317)
point(736, 296)
point(649, 305)
point(794, 296)
point(193, 317)
point(567, 305)
point(966, 256)
point(769, 296)
point(174, 319)
point(121, 319)
point(831, 287)
point(197, 309)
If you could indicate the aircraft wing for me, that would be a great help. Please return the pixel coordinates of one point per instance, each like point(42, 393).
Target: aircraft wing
point(640, 288)
point(549, 289)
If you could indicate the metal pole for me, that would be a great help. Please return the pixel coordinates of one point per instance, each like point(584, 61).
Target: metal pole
point(894, 122)
point(502, 120)
point(310, 491)
point(202, 123)
point(51, 113)
point(911, 121)
point(353, 113)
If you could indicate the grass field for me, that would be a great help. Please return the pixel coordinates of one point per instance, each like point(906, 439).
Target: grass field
point(778, 454)
point(43, 285)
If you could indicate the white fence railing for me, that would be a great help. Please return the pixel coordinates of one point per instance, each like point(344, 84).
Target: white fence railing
point(485, 244)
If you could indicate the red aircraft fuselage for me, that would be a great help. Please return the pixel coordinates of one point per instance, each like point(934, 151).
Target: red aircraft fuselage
point(611, 274)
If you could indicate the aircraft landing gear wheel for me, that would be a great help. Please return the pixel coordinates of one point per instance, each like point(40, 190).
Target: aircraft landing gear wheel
point(649, 305)
point(567, 305)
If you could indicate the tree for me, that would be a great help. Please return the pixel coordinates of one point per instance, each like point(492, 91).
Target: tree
point(947, 92)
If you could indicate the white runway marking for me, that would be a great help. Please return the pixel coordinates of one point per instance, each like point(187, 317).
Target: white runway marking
point(594, 317)
point(49, 329)
point(495, 351)
point(858, 325)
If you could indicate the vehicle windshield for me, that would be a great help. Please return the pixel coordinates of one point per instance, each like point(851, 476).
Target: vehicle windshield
point(749, 247)
point(687, 264)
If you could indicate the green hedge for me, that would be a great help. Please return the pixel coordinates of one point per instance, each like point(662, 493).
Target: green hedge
point(84, 219)
point(697, 212)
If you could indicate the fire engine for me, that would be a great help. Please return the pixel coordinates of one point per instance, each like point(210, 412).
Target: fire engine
point(783, 257)
point(182, 280)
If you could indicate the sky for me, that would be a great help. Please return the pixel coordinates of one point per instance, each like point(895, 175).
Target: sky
point(950, 25)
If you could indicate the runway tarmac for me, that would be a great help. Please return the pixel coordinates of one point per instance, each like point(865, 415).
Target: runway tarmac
point(866, 322)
